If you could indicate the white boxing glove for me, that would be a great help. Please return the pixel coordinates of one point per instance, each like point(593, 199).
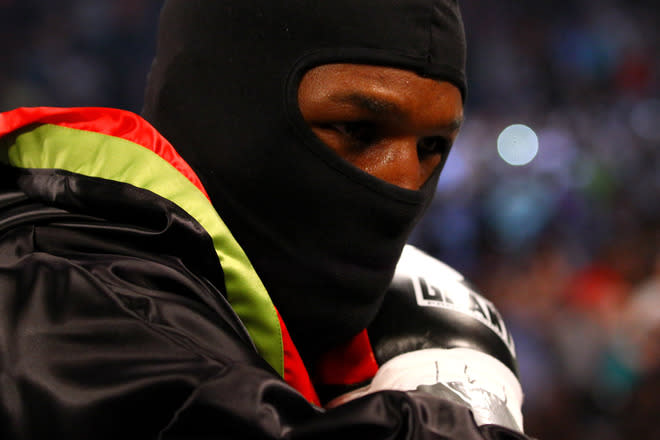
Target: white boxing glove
point(434, 333)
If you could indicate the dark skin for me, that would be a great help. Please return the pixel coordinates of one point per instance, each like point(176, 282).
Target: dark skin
point(389, 122)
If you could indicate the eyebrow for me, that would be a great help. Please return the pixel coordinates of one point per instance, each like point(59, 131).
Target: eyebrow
point(372, 104)
point(381, 107)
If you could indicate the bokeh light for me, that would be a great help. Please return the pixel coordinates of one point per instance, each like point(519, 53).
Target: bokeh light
point(517, 144)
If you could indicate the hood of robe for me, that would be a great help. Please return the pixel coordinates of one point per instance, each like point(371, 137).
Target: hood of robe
point(323, 235)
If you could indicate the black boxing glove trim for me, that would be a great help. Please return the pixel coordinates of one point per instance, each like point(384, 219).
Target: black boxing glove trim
point(446, 313)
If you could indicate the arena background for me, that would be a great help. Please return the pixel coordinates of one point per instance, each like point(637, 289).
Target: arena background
point(566, 245)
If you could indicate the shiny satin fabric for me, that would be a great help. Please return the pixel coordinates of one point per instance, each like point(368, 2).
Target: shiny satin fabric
point(113, 324)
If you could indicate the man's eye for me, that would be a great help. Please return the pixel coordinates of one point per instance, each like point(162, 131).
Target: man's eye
point(433, 145)
point(360, 132)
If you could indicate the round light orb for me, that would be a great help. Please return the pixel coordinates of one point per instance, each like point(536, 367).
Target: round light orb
point(517, 144)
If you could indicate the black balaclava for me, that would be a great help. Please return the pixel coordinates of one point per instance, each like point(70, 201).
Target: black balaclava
point(323, 235)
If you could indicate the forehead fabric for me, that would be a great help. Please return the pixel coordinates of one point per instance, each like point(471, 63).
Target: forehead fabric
point(422, 35)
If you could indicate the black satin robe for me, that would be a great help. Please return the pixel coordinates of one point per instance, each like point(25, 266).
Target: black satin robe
point(113, 325)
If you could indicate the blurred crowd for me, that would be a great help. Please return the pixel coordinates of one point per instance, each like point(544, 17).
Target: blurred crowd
point(566, 246)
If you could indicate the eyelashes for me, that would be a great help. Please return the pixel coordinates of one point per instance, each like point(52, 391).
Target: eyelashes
point(359, 133)
point(364, 134)
point(433, 145)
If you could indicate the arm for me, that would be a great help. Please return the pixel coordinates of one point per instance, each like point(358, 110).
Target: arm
point(87, 353)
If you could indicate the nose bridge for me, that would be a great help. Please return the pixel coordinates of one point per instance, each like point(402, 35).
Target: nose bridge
point(404, 166)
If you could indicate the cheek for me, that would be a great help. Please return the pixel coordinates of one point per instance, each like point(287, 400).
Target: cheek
point(393, 160)
point(396, 163)
point(430, 164)
point(383, 162)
